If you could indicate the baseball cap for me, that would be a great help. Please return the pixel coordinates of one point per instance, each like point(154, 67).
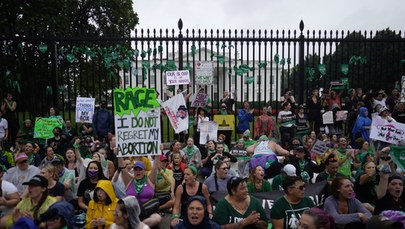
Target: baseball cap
point(20, 157)
point(139, 164)
point(162, 158)
point(300, 148)
point(382, 109)
point(246, 133)
point(37, 180)
point(57, 161)
point(290, 170)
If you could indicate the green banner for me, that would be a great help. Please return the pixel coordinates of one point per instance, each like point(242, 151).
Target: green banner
point(134, 100)
point(44, 127)
point(398, 153)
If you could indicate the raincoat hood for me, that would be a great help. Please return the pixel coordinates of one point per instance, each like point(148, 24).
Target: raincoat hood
point(362, 112)
point(133, 210)
point(107, 186)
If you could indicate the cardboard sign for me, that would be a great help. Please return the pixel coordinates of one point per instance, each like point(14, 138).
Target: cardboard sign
point(177, 77)
point(200, 100)
point(319, 147)
point(137, 122)
point(204, 72)
point(225, 121)
point(44, 127)
point(341, 115)
point(176, 111)
point(84, 109)
point(327, 118)
point(208, 131)
point(391, 132)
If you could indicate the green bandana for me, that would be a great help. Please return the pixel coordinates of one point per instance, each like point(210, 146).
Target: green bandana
point(139, 184)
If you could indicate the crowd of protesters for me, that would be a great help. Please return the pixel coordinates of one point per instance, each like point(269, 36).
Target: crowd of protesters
point(75, 178)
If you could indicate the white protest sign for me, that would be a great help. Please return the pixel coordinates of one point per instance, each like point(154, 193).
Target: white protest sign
point(327, 118)
point(208, 131)
point(137, 122)
point(341, 115)
point(319, 147)
point(176, 111)
point(177, 77)
point(204, 72)
point(84, 109)
point(403, 89)
point(391, 132)
point(200, 100)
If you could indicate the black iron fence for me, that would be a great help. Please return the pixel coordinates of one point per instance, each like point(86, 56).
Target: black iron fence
point(253, 65)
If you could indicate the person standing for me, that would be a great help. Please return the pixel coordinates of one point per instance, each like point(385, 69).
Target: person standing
point(103, 122)
point(314, 111)
point(9, 113)
point(288, 209)
point(3, 131)
point(245, 116)
point(264, 125)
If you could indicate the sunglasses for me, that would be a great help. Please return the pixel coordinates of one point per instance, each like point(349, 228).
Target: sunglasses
point(302, 187)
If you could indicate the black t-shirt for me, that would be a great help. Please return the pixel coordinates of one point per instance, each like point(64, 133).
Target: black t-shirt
point(85, 189)
point(388, 203)
point(178, 176)
point(57, 190)
point(366, 192)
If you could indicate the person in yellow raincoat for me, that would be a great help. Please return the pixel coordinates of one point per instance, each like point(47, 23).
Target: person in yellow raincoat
point(100, 213)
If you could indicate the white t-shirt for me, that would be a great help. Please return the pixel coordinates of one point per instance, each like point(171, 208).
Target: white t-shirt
point(17, 176)
point(7, 189)
point(287, 118)
point(3, 127)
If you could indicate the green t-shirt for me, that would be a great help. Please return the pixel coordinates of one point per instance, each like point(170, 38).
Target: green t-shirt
point(225, 214)
point(346, 167)
point(290, 213)
point(277, 182)
point(266, 187)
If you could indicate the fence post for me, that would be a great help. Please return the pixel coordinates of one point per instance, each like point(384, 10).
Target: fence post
point(180, 37)
point(301, 70)
point(54, 59)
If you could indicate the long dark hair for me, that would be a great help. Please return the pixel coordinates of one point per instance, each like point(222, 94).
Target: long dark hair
point(40, 202)
point(100, 171)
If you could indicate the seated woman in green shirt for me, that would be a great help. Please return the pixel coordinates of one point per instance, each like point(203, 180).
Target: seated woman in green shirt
point(256, 182)
point(239, 209)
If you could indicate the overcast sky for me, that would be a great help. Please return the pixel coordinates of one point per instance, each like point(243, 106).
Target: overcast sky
point(272, 14)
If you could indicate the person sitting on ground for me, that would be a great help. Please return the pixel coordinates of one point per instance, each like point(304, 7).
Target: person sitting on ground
point(178, 167)
point(305, 166)
point(126, 214)
point(393, 197)
point(59, 215)
point(344, 207)
point(9, 197)
point(36, 203)
point(189, 188)
point(256, 182)
point(197, 215)
point(21, 173)
point(316, 218)
point(218, 181)
point(287, 170)
point(100, 213)
point(287, 210)
point(55, 188)
point(164, 184)
point(331, 170)
point(239, 209)
point(192, 154)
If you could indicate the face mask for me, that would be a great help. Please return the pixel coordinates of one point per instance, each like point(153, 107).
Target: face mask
point(92, 174)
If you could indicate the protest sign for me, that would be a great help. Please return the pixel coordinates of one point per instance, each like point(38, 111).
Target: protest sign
point(176, 111)
point(327, 118)
point(137, 122)
point(319, 147)
point(403, 89)
point(208, 131)
point(200, 100)
point(341, 115)
point(204, 72)
point(84, 109)
point(391, 132)
point(225, 121)
point(44, 127)
point(316, 192)
point(398, 155)
point(177, 77)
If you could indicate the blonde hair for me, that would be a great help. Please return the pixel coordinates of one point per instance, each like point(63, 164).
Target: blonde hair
point(52, 170)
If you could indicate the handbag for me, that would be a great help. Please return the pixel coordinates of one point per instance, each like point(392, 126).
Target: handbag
point(163, 197)
point(148, 208)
